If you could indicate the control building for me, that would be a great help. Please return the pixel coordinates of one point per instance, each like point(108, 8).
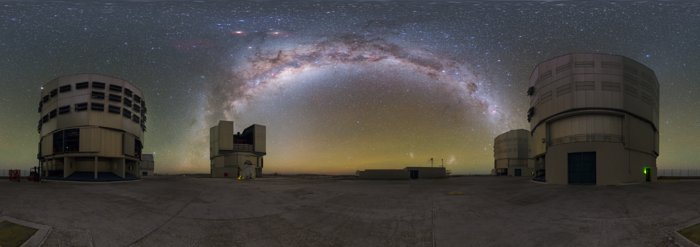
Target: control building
point(594, 120)
point(239, 155)
point(410, 172)
point(511, 153)
point(91, 128)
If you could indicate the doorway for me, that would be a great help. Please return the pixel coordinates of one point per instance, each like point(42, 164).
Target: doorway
point(413, 174)
point(582, 168)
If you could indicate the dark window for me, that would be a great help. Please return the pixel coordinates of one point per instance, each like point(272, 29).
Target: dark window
point(81, 106)
point(64, 88)
point(137, 108)
point(71, 141)
point(138, 146)
point(127, 92)
point(45, 99)
point(41, 105)
point(126, 113)
point(45, 118)
point(115, 109)
point(53, 93)
point(98, 95)
point(58, 142)
point(64, 109)
point(97, 107)
point(115, 98)
point(98, 85)
point(115, 88)
point(52, 114)
point(81, 85)
point(127, 102)
point(136, 119)
point(137, 98)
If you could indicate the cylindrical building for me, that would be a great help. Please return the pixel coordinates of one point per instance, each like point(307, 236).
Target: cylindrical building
point(91, 128)
point(511, 153)
point(594, 120)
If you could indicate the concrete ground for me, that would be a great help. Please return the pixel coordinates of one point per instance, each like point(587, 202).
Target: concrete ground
point(313, 211)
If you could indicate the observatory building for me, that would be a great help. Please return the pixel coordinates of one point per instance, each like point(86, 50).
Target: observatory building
point(239, 155)
point(511, 153)
point(91, 128)
point(594, 120)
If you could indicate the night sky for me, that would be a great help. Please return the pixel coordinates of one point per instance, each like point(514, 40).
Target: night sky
point(340, 85)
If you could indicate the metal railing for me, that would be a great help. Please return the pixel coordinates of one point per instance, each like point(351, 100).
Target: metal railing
point(587, 138)
point(6, 172)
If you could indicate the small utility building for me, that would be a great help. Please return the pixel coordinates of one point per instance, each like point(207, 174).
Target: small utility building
point(411, 172)
point(236, 155)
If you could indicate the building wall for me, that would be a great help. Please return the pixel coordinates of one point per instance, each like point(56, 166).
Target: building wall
point(429, 172)
point(591, 101)
point(383, 174)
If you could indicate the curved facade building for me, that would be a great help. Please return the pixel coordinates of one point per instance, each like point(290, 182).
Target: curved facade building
point(511, 153)
point(594, 120)
point(91, 128)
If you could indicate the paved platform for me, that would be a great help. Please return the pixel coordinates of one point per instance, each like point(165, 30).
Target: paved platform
point(324, 211)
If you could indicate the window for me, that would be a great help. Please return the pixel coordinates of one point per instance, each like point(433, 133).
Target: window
point(127, 92)
point(97, 107)
point(41, 106)
point(585, 85)
point(98, 85)
point(53, 93)
point(71, 140)
point(64, 88)
point(115, 88)
point(136, 119)
point(63, 110)
point(584, 64)
point(58, 142)
point(127, 102)
point(562, 68)
point(52, 114)
point(137, 108)
point(98, 95)
point(45, 118)
point(115, 98)
point(45, 99)
point(126, 113)
point(81, 106)
point(115, 109)
point(137, 98)
point(81, 85)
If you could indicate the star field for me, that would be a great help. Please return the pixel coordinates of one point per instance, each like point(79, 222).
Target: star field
point(340, 85)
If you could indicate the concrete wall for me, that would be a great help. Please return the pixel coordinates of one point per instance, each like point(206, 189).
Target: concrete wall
point(614, 163)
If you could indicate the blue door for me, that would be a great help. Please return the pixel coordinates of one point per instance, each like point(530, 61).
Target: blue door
point(582, 168)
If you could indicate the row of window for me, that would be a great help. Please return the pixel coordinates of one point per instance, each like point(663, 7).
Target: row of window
point(112, 98)
point(94, 107)
point(627, 69)
point(590, 86)
point(95, 85)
